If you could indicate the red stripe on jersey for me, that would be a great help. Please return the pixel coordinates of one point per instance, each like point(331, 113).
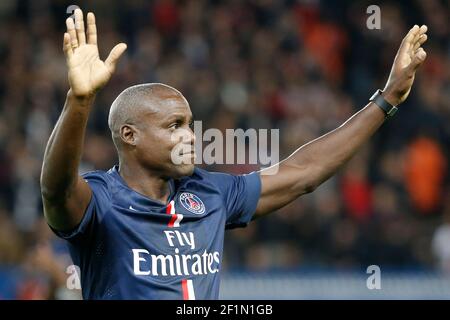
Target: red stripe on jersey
point(172, 220)
point(169, 210)
point(185, 289)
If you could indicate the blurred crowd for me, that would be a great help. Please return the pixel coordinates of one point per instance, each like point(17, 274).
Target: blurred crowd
point(303, 67)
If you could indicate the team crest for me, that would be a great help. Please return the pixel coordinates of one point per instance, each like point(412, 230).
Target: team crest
point(192, 203)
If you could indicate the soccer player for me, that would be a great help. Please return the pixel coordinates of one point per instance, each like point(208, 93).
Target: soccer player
point(152, 229)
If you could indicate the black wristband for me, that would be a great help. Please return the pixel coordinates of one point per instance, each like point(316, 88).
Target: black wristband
point(378, 99)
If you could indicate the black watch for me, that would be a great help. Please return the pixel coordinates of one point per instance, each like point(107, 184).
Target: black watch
point(378, 99)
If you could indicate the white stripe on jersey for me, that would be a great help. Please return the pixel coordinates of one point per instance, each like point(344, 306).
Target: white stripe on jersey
point(190, 287)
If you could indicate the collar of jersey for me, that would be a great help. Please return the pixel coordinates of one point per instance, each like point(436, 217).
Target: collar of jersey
point(143, 201)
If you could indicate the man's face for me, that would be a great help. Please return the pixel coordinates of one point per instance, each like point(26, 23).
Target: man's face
point(165, 141)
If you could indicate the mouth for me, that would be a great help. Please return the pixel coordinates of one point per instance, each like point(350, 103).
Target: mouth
point(183, 155)
point(189, 155)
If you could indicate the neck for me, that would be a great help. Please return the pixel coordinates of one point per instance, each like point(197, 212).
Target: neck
point(145, 181)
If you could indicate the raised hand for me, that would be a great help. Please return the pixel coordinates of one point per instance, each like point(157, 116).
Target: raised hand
point(409, 57)
point(87, 73)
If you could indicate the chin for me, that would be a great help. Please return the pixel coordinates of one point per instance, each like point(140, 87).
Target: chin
point(184, 170)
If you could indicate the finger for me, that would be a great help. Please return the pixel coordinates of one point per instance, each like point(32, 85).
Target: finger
point(420, 41)
point(71, 31)
point(114, 56)
point(79, 27)
point(408, 40)
point(91, 29)
point(418, 59)
point(67, 48)
point(422, 30)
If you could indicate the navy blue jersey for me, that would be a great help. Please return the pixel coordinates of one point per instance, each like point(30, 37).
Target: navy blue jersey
point(129, 246)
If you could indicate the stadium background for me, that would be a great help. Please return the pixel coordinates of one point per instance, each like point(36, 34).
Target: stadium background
point(300, 66)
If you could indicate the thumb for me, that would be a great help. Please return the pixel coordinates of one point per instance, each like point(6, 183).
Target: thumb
point(114, 56)
point(418, 59)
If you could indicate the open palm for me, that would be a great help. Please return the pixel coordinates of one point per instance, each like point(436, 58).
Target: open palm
point(87, 73)
point(409, 57)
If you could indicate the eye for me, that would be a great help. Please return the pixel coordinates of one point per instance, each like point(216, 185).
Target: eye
point(191, 124)
point(177, 124)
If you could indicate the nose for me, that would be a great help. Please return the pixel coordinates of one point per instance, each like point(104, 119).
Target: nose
point(192, 137)
point(188, 136)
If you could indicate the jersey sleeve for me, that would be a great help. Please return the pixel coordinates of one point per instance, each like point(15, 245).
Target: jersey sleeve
point(240, 194)
point(98, 206)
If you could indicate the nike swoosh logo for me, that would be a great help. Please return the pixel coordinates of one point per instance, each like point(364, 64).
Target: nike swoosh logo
point(131, 208)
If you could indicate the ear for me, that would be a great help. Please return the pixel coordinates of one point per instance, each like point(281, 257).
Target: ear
point(129, 134)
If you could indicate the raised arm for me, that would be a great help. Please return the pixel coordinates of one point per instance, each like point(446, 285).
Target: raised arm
point(316, 161)
point(65, 194)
